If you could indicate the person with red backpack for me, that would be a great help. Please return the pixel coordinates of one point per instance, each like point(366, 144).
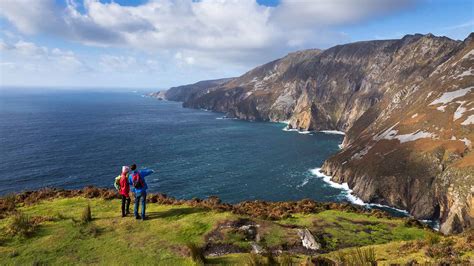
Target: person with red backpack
point(124, 191)
point(137, 181)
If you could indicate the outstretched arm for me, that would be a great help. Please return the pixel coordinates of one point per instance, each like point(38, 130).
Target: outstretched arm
point(146, 172)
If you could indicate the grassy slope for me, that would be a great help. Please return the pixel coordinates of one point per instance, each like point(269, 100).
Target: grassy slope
point(162, 239)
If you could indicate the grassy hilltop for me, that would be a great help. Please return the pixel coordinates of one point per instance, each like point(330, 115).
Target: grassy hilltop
point(57, 228)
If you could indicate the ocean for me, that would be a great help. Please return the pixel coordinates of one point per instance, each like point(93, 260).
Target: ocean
point(72, 139)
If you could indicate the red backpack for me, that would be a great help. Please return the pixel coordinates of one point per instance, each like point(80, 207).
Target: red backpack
point(136, 180)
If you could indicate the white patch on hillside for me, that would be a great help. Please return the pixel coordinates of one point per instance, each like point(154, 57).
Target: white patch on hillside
point(414, 136)
point(459, 111)
point(441, 108)
point(362, 153)
point(449, 96)
point(391, 134)
point(453, 138)
point(468, 55)
point(468, 121)
point(467, 142)
point(415, 115)
point(466, 73)
point(270, 75)
point(388, 132)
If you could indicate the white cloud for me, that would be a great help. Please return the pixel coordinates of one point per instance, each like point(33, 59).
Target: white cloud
point(28, 58)
point(189, 60)
point(211, 37)
point(206, 25)
point(303, 13)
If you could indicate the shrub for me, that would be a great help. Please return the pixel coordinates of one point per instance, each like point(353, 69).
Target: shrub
point(86, 216)
point(285, 259)
point(21, 225)
point(357, 256)
point(90, 230)
point(9, 203)
point(61, 216)
point(253, 259)
point(322, 261)
point(432, 239)
point(13, 254)
point(442, 249)
point(270, 258)
point(307, 262)
point(197, 253)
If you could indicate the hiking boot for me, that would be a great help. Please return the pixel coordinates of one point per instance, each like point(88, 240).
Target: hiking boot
point(138, 217)
point(144, 218)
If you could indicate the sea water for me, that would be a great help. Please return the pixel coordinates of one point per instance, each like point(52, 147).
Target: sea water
point(76, 138)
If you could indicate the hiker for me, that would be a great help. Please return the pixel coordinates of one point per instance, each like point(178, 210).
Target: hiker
point(124, 191)
point(137, 182)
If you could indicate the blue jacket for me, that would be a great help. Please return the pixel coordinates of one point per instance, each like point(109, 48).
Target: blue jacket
point(143, 173)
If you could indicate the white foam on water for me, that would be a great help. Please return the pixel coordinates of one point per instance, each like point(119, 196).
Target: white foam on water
point(344, 186)
point(385, 206)
point(226, 118)
point(348, 192)
point(304, 132)
point(435, 224)
point(305, 181)
point(332, 132)
point(289, 129)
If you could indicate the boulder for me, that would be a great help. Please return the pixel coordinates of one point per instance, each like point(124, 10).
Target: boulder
point(307, 239)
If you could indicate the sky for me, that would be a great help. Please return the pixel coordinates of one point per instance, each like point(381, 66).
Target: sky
point(156, 44)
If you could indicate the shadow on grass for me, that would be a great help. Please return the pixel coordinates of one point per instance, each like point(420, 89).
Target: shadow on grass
point(173, 213)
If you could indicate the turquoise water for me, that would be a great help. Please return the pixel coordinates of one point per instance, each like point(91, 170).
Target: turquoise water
point(72, 139)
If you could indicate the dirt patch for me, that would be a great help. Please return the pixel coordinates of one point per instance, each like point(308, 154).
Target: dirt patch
point(220, 249)
point(299, 249)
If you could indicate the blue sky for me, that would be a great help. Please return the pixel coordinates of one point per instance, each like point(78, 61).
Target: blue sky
point(163, 43)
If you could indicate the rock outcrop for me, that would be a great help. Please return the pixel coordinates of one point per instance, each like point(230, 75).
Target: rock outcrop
point(307, 239)
point(407, 107)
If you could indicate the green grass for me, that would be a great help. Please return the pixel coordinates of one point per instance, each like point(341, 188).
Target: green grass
point(61, 238)
point(344, 229)
point(158, 240)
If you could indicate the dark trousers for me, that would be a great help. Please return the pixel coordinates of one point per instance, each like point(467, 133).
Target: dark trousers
point(140, 197)
point(125, 205)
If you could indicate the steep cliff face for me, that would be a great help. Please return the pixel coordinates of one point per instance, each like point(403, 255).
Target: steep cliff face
point(406, 107)
point(412, 150)
point(330, 89)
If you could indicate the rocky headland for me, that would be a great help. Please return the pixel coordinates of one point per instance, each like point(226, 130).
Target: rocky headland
point(406, 105)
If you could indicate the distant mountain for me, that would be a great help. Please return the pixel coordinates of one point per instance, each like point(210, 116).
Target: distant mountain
point(406, 105)
point(186, 92)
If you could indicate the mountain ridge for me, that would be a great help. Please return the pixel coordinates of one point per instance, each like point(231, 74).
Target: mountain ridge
point(400, 149)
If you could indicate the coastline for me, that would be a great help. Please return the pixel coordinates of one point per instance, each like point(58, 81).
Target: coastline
point(358, 201)
point(344, 187)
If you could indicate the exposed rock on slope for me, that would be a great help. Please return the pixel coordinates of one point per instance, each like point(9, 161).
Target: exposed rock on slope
point(412, 150)
point(406, 105)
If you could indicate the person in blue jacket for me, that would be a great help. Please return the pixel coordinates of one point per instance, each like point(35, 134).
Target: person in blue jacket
point(137, 181)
